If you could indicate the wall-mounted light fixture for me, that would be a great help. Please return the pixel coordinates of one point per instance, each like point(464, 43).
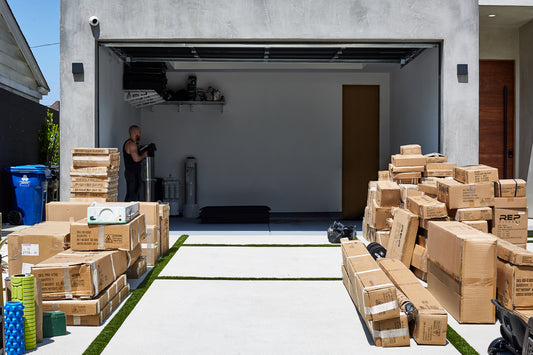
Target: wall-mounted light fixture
point(77, 68)
point(462, 73)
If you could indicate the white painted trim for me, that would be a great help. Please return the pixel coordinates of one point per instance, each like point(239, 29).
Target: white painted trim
point(17, 88)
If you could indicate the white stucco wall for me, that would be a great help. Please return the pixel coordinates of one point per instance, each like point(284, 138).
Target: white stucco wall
point(455, 23)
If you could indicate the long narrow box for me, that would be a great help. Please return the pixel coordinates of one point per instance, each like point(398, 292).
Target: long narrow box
point(402, 236)
point(472, 214)
point(515, 276)
point(411, 149)
point(426, 207)
point(475, 174)
point(459, 195)
point(72, 274)
point(127, 236)
point(408, 160)
point(510, 188)
point(462, 270)
point(431, 320)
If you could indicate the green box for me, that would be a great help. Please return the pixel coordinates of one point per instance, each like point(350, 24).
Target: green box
point(54, 323)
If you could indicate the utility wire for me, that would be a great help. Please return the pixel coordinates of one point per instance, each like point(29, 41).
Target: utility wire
point(46, 45)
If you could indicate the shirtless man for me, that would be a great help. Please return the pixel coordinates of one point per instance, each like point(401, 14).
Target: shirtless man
point(132, 161)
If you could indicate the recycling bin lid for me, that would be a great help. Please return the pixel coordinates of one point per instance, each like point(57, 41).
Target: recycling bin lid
point(30, 169)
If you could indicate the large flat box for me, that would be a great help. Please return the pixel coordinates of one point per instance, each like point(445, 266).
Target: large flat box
point(510, 202)
point(458, 195)
point(151, 245)
point(374, 290)
point(66, 211)
point(74, 274)
point(98, 319)
point(426, 207)
point(379, 216)
point(408, 160)
point(482, 226)
point(431, 320)
point(462, 270)
point(387, 194)
point(511, 225)
point(515, 285)
point(405, 169)
point(86, 307)
point(471, 214)
point(138, 268)
point(510, 188)
point(411, 149)
point(473, 174)
point(402, 236)
point(30, 246)
point(127, 236)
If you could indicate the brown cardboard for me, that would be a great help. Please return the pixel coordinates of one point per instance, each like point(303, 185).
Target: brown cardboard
point(472, 174)
point(408, 160)
point(371, 286)
point(424, 223)
point(510, 202)
point(107, 236)
point(421, 239)
point(371, 195)
point(93, 151)
point(384, 175)
point(86, 307)
point(440, 166)
point(72, 274)
point(164, 223)
point(151, 245)
point(422, 275)
point(471, 214)
point(379, 215)
point(66, 211)
point(525, 314)
point(350, 248)
point(408, 190)
point(387, 194)
point(402, 236)
point(431, 320)
point(482, 226)
point(428, 187)
point(83, 161)
point(511, 225)
point(410, 149)
point(150, 211)
point(515, 285)
point(382, 237)
point(409, 176)
point(31, 245)
point(406, 169)
point(459, 195)
point(426, 207)
point(441, 173)
point(420, 258)
point(510, 188)
point(436, 158)
point(138, 268)
point(513, 254)
point(98, 319)
point(462, 270)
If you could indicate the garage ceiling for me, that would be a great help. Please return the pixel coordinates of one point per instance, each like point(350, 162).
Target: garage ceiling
point(401, 53)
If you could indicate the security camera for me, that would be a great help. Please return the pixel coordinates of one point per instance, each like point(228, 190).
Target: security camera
point(94, 21)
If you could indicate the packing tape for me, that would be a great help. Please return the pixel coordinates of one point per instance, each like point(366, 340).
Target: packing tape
point(363, 272)
point(76, 320)
point(66, 282)
point(113, 267)
point(95, 278)
point(393, 333)
point(350, 241)
point(381, 307)
point(357, 256)
point(472, 190)
point(101, 237)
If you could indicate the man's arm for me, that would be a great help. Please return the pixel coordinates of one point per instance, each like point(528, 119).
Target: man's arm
point(131, 149)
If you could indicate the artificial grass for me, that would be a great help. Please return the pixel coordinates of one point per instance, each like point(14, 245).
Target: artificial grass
point(459, 342)
point(250, 278)
point(266, 245)
point(100, 342)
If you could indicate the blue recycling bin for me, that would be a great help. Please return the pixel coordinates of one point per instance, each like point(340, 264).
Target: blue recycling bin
point(30, 184)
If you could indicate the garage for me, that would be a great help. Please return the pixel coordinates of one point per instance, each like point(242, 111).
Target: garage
point(302, 126)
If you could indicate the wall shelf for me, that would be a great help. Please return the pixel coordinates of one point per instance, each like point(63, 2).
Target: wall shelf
point(192, 104)
point(148, 98)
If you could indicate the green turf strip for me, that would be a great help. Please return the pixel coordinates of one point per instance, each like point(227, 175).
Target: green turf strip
point(266, 245)
point(250, 278)
point(100, 342)
point(459, 342)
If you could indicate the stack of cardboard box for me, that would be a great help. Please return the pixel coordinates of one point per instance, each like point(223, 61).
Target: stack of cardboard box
point(408, 166)
point(156, 241)
point(383, 196)
point(94, 174)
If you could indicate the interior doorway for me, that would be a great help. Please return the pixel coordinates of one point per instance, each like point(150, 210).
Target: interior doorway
point(360, 146)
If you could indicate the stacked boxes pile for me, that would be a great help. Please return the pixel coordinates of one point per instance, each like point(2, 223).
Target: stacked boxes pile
point(94, 174)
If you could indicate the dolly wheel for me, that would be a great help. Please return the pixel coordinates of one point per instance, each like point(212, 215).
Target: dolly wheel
point(498, 347)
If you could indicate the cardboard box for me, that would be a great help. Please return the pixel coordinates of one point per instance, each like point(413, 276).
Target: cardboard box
point(387, 194)
point(462, 270)
point(525, 314)
point(436, 158)
point(382, 237)
point(439, 170)
point(422, 275)
point(386, 333)
point(513, 253)
point(511, 225)
point(74, 274)
point(426, 207)
point(411, 177)
point(31, 245)
point(151, 245)
point(515, 285)
point(164, 234)
point(421, 239)
point(371, 195)
point(420, 258)
point(510, 188)
point(428, 188)
point(87, 307)
point(108, 160)
point(408, 190)
point(406, 169)
point(472, 174)
point(66, 211)
point(440, 166)
point(411, 149)
point(424, 223)
point(371, 286)
point(138, 268)
point(510, 202)
point(379, 215)
point(98, 319)
point(471, 214)
point(107, 236)
point(150, 211)
point(402, 236)
point(458, 195)
point(384, 175)
point(408, 160)
point(431, 320)
point(482, 226)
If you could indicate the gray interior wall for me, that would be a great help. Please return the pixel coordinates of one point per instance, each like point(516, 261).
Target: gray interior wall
point(116, 115)
point(278, 141)
point(415, 103)
point(526, 92)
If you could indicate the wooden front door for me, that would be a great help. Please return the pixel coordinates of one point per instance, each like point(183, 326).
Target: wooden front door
point(496, 115)
point(360, 146)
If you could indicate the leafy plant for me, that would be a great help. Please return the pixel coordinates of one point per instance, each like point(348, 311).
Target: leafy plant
point(49, 138)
